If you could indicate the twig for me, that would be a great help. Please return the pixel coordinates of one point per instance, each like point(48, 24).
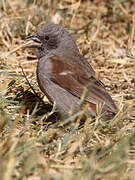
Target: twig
point(31, 86)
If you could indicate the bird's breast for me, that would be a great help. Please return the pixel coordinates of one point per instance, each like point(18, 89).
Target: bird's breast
point(44, 68)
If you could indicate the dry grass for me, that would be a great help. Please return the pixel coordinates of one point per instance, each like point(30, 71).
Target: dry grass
point(34, 144)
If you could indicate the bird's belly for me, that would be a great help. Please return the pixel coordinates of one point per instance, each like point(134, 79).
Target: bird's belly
point(64, 100)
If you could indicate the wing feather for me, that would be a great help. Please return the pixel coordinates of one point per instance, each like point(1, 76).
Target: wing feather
point(76, 79)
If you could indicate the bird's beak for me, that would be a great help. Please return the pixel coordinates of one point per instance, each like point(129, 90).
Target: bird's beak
point(36, 44)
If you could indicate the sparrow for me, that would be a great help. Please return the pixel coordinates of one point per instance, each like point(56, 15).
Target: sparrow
point(63, 73)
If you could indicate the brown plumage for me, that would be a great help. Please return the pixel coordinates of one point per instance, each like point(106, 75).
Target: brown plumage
point(63, 73)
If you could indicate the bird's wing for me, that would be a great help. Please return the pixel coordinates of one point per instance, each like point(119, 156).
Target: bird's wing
point(75, 79)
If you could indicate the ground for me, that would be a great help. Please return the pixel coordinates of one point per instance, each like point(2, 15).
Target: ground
point(34, 143)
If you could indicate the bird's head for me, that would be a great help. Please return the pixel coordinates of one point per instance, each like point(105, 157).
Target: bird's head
point(53, 39)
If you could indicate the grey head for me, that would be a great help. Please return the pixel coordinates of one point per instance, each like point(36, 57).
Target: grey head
point(53, 39)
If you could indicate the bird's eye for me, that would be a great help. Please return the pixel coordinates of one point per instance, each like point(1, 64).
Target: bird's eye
point(47, 37)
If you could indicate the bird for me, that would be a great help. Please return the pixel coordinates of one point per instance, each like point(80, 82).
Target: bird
point(63, 74)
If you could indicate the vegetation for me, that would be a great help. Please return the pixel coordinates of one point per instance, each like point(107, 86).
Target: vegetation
point(34, 143)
